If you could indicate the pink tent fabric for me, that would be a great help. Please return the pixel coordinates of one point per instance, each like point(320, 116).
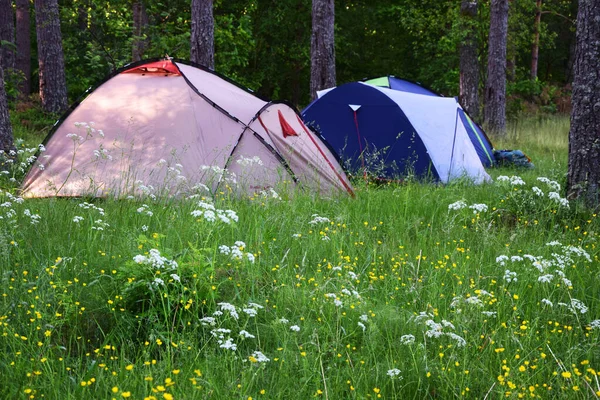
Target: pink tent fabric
point(168, 128)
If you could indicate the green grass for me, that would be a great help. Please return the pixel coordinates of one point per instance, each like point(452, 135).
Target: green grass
point(80, 317)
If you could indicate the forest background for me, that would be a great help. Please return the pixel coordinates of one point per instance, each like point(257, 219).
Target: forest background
point(265, 44)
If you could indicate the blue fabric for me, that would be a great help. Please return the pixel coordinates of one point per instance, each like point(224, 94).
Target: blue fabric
point(479, 140)
point(406, 86)
point(390, 146)
point(512, 158)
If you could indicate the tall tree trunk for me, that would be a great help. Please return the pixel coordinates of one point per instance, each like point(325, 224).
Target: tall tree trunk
point(53, 86)
point(495, 87)
point(6, 136)
point(535, 48)
point(584, 137)
point(469, 65)
point(203, 33)
point(322, 46)
point(24, 46)
point(7, 33)
point(140, 22)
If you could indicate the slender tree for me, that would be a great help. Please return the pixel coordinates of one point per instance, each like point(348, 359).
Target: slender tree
point(53, 87)
point(203, 33)
point(495, 87)
point(535, 47)
point(24, 46)
point(6, 136)
point(322, 46)
point(140, 22)
point(584, 137)
point(469, 64)
point(7, 34)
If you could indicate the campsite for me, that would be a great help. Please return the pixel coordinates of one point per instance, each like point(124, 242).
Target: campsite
point(256, 218)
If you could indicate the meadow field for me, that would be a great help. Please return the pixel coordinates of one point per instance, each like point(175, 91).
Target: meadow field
point(407, 291)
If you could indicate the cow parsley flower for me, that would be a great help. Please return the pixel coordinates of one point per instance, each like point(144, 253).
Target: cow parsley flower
point(537, 191)
point(246, 335)
point(407, 339)
point(229, 308)
point(260, 357)
point(457, 205)
point(393, 372)
point(547, 302)
point(478, 208)
point(316, 219)
point(510, 276)
point(295, 328)
point(208, 321)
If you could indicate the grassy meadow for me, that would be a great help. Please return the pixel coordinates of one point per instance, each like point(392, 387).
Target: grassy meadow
point(408, 291)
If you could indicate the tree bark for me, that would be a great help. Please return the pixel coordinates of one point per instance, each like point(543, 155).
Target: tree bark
point(584, 137)
point(140, 22)
point(7, 33)
point(53, 87)
point(6, 136)
point(535, 48)
point(322, 46)
point(24, 46)
point(469, 65)
point(495, 88)
point(203, 33)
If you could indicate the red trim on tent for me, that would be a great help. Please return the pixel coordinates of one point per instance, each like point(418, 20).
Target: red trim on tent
point(161, 67)
point(348, 188)
point(285, 127)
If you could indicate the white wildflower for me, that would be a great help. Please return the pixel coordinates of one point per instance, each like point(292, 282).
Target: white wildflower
point(246, 335)
point(547, 302)
point(407, 339)
point(260, 357)
point(457, 205)
point(393, 372)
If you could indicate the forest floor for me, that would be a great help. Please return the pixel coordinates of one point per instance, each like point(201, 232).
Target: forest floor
point(409, 290)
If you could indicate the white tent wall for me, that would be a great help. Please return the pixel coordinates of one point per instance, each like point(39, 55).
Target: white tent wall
point(440, 128)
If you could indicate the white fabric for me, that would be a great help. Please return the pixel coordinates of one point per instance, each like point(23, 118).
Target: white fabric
point(321, 93)
point(435, 119)
point(354, 107)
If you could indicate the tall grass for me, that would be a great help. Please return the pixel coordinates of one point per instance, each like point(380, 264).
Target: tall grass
point(406, 291)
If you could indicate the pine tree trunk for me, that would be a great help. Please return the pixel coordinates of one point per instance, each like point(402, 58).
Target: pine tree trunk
point(322, 46)
point(469, 65)
point(495, 88)
point(535, 48)
point(24, 46)
point(6, 137)
point(53, 87)
point(203, 33)
point(140, 22)
point(584, 137)
point(7, 33)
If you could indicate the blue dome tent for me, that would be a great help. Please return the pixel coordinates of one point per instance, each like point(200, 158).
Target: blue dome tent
point(482, 143)
point(396, 133)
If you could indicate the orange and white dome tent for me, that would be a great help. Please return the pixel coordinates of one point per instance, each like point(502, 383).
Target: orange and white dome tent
point(166, 127)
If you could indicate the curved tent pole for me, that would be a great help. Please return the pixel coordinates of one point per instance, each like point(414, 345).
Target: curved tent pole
point(246, 126)
point(453, 144)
